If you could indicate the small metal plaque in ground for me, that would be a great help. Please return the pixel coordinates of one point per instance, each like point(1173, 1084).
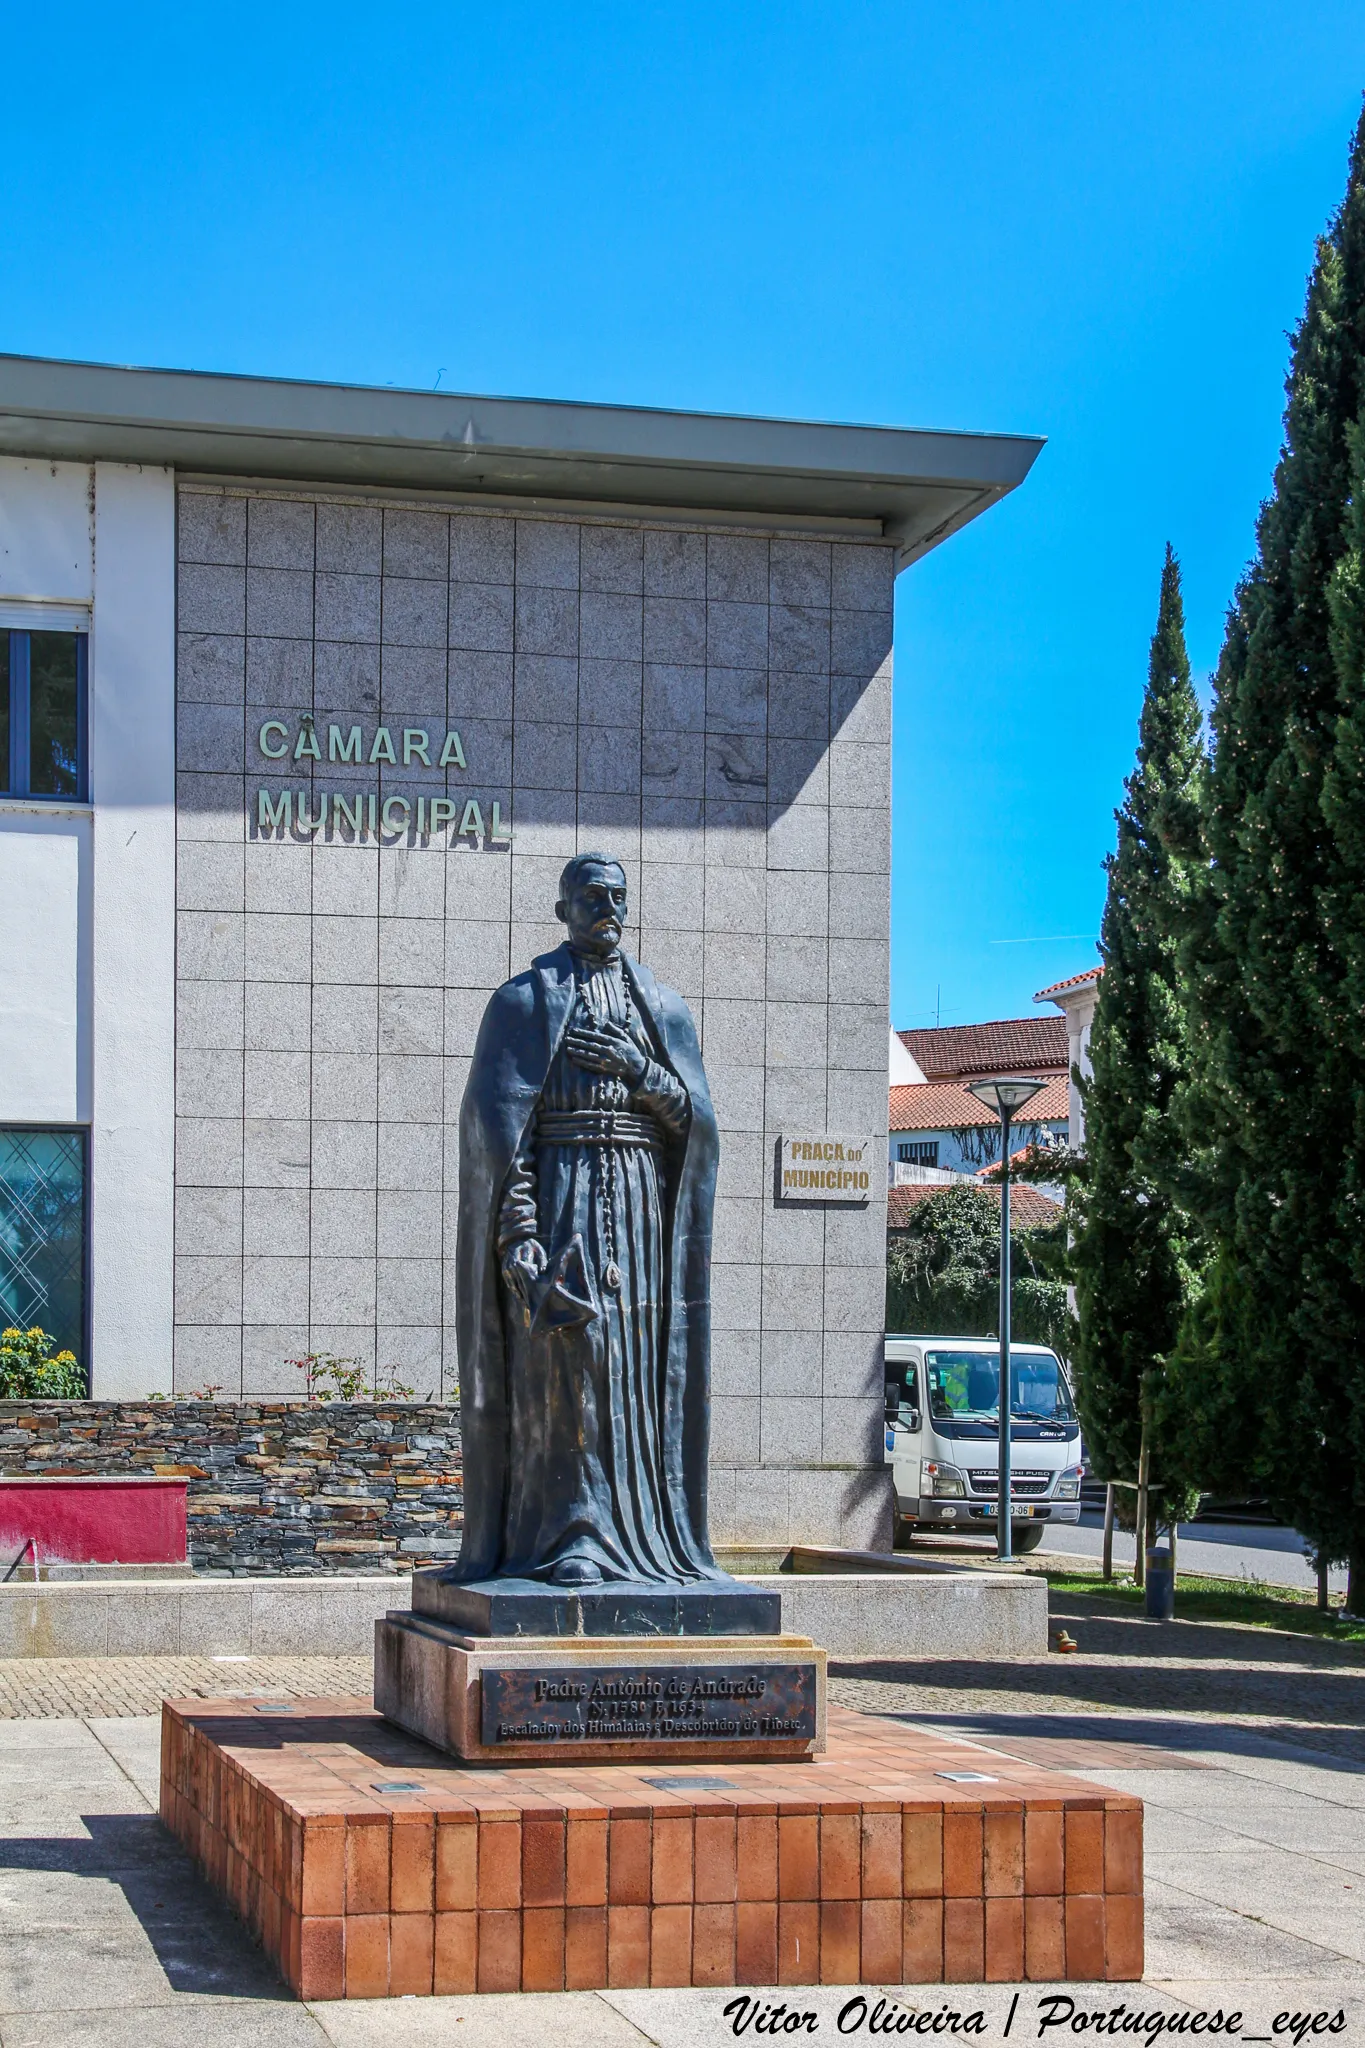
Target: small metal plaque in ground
point(642, 1703)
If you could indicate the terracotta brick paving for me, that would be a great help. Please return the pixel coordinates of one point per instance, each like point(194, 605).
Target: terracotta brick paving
point(369, 1868)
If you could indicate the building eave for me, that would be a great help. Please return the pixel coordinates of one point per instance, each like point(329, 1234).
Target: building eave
point(1075, 988)
point(912, 486)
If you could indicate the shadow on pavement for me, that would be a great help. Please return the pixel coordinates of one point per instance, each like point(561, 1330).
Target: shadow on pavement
point(1233, 1685)
point(198, 1941)
point(1112, 1630)
point(1079, 1741)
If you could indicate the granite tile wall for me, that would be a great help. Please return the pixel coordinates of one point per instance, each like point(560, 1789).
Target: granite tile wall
point(714, 708)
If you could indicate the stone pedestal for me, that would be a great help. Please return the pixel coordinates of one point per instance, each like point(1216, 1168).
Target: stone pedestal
point(370, 1866)
point(603, 1699)
point(530, 1607)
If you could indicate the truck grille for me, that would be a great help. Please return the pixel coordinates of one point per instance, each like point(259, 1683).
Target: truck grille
point(1022, 1483)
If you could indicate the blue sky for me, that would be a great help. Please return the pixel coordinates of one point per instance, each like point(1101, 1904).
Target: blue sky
point(1091, 223)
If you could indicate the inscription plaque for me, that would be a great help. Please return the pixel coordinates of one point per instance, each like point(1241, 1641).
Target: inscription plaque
point(825, 1168)
point(650, 1703)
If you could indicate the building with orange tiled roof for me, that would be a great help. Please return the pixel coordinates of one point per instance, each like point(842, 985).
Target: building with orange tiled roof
point(1030, 1207)
point(950, 1105)
point(1009, 1045)
point(1073, 982)
point(939, 1127)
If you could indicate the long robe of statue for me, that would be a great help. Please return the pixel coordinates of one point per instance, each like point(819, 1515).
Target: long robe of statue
point(587, 1181)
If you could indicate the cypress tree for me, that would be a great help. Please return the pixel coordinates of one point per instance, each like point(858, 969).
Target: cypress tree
point(1271, 1360)
point(1131, 1258)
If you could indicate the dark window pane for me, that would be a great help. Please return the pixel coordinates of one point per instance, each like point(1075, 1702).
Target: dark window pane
point(4, 709)
point(52, 714)
point(42, 1233)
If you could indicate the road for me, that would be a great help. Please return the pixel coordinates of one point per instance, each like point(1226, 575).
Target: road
point(1225, 1549)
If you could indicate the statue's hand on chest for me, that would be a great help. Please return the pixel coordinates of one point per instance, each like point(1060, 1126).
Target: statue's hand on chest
point(605, 1047)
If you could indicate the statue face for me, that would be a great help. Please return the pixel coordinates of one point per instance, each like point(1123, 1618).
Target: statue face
point(595, 907)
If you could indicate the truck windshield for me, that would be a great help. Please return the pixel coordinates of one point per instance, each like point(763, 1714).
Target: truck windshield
point(964, 1386)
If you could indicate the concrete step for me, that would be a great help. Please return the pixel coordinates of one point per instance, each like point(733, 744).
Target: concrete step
point(885, 1614)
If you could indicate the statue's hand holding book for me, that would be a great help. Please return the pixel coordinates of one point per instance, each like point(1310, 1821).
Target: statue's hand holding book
point(522, 1265)
point(556, 1294)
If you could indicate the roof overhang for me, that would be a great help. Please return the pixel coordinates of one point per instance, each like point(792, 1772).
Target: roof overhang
point(1075, 990)
point(913, 487)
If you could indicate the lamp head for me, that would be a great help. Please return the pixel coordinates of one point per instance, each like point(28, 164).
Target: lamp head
point(1008, 1095)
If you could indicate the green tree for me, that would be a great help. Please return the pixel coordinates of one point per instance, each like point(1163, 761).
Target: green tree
point(943, 1273)
point(1132, 1257)
point(1271, 1367)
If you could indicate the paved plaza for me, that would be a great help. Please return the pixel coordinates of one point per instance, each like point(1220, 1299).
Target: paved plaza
point(1247, 1747)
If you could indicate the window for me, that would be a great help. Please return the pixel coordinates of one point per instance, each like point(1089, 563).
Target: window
point(908, 1405)
point(42, 715)
point(42, 1233)
point(919, 1152)
point(964, 1386)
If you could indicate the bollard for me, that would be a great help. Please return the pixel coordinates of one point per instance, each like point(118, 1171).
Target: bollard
point(1159, 1602)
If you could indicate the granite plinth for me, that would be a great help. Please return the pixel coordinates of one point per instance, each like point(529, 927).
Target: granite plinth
point(369, 1866)
point(526, 1607)
point(612, 1698)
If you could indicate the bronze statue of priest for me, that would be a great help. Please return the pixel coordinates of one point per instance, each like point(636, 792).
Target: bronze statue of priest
point(588, 1155)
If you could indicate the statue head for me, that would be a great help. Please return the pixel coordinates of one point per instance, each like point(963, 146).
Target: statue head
point(592, 901)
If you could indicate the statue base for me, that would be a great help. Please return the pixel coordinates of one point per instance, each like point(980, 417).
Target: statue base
point(610, 1699)
point(528, 1607)
point(369, 1866)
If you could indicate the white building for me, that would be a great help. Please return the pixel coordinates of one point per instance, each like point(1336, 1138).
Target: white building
point(1076, 999)
point(309, 691)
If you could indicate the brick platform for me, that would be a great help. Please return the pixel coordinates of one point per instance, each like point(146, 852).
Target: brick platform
point(865, 1866)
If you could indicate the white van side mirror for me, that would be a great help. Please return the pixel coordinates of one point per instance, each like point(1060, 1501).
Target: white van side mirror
point(898, 1406)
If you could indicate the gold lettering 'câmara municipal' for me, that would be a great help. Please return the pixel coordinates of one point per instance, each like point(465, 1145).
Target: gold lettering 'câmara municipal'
point(372, 813)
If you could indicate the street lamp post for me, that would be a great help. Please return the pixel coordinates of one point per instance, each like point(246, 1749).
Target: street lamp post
point(1006, 1098)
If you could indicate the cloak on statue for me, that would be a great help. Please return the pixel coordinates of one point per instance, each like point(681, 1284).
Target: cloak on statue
point(585, 1418)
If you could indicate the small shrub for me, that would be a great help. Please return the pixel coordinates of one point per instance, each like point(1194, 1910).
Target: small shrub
point(30, 1371)
point(329, 1378)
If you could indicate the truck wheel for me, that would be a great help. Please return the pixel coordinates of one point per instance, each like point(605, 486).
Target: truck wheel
point(1025, 1537)
point(904, 1533)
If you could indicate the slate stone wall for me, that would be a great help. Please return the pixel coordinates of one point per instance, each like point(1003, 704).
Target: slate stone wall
point(274, 1486)
point(712, 706)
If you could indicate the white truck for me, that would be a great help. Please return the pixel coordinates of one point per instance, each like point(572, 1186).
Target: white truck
point(943, 1437)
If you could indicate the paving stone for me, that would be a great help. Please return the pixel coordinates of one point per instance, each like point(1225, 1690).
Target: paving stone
point(44, 1688)
point(209, 2022)
point(1171, 1682)
point(504, 2020)
point(1261, 1747)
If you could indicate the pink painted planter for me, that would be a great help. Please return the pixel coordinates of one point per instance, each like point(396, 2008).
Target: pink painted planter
point(94, 1521)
